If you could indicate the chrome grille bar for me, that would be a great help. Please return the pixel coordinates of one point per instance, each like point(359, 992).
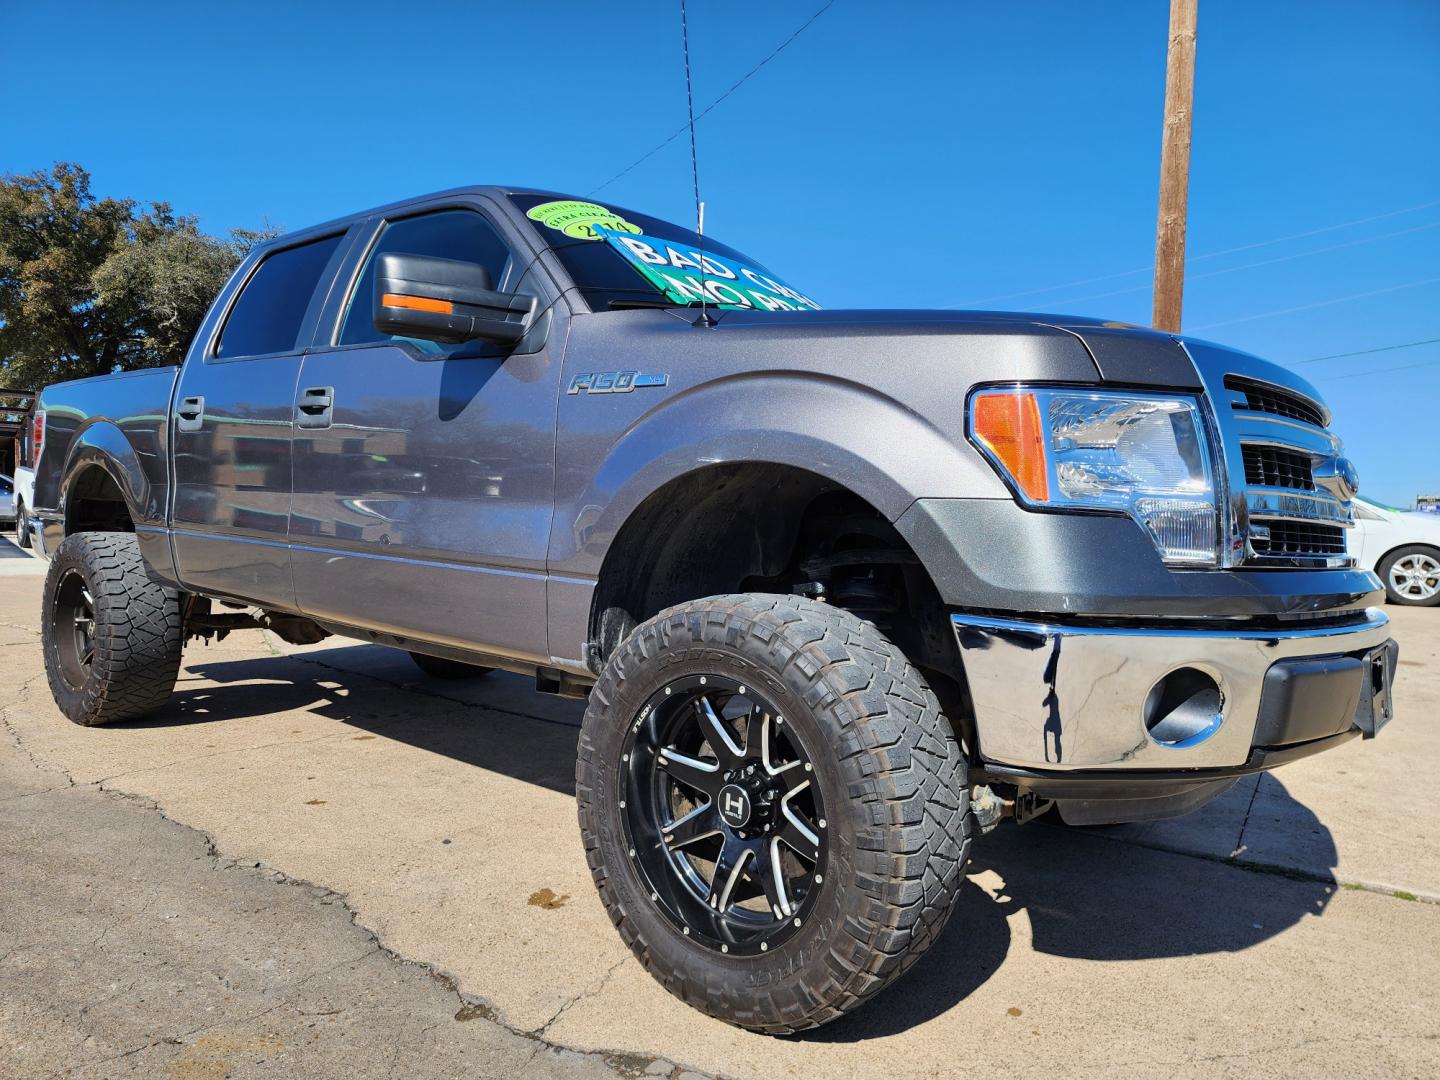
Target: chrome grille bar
point(1276, 449)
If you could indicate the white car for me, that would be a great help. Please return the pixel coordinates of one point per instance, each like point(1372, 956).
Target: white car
point(1402, 547)
point(24, 498)
point(7, 498)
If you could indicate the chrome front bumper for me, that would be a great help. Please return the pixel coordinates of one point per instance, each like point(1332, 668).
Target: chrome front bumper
point(1060, 697)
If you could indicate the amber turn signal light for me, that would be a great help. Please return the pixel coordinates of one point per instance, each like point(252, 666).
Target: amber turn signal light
point(417, 303)
point(1009, 426)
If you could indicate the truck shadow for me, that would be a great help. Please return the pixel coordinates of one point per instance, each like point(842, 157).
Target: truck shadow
point(1117, 894)
point(1081, 894)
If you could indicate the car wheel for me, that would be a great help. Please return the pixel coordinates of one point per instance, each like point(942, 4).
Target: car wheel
point(22, 525)
point(440, 668)
point(774, 809)
point(1412, 575)
point(112, 636)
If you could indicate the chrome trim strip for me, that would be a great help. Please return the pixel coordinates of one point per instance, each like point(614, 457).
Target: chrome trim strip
point(1375, 619)
point(1292, 504)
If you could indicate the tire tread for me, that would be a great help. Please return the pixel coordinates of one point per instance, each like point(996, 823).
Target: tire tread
point(138, 631)
point(903, 766)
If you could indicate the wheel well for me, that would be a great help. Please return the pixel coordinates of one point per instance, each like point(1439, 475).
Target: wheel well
point(756, 527)
point(95, 503)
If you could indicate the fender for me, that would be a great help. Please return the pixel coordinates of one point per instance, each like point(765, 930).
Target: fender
point(863, 440)
point(101, 443)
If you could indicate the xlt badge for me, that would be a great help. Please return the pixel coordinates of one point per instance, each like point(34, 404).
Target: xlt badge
point(615, 382)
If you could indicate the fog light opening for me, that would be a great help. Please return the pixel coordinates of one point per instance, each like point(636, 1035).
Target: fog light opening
point(1184, 708)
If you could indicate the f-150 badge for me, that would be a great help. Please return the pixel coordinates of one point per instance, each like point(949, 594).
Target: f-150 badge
point(615, 382)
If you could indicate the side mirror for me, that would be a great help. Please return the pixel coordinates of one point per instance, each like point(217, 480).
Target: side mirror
point(446, 300)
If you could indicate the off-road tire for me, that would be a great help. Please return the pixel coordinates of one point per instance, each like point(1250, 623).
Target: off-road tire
point(894, 784)
point(22, 525)
point(137, 631)
point(1383, 570)
point(439, 667)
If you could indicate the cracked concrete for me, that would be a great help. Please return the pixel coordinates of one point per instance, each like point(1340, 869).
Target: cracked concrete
point(430, 812)
point(125, 928)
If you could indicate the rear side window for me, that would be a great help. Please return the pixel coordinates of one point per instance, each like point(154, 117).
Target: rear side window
point(267, 316)
point(448, 234)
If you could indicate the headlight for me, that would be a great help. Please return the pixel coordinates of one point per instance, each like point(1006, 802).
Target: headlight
point(1137, 454)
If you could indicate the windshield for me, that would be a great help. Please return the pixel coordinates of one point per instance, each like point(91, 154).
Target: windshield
point(619, 258)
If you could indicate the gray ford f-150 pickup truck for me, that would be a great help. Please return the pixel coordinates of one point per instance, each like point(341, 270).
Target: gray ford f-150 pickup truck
point(843, 588)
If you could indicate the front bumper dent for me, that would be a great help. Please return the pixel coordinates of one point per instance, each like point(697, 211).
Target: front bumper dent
point(1058, 700)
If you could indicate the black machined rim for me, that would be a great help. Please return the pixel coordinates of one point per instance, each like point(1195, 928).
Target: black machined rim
point(74, 628)
point(722, 814)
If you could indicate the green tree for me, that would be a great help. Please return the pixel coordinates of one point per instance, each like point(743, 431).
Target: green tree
point(90, 284)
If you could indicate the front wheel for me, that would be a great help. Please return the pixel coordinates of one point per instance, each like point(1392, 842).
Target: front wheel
point(1412, 575)
point(774, 808)
point(112, 636)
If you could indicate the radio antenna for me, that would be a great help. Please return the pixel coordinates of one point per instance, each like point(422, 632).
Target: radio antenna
point(705, 319)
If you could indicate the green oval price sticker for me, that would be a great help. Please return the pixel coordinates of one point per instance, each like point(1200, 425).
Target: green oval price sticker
point(579, 219)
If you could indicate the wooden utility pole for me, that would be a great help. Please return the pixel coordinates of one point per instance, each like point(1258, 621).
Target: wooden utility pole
point(1175, 167)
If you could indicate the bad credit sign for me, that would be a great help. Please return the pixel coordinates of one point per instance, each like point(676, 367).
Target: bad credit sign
point(686, 276)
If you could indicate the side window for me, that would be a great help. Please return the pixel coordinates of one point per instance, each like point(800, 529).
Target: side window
point(447, 234)
point(267, 316)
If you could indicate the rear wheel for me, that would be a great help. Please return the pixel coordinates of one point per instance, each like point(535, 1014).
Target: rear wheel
point(112, 636)
point(440, 668)
point(1412, 575)
point(773, 807)
point(22, 525)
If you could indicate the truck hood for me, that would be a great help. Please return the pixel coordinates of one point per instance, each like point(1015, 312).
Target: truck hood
point(1123, 353)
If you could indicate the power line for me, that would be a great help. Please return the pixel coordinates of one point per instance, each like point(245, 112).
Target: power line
point(1379, 371)
point(1207, 255)
point(1364, 352)
point(701, 114)
point(1263, 262)
point(1319, 303)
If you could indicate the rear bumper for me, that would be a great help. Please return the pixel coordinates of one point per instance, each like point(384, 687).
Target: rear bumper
point(1061, 709)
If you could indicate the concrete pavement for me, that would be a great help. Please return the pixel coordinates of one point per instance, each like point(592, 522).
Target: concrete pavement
point(130, 948)
point(1260, 936)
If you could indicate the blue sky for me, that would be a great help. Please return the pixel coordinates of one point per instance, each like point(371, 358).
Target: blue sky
point(910, 154)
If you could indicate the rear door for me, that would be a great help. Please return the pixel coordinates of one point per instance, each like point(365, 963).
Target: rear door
point(422, 503)
point(233, 428)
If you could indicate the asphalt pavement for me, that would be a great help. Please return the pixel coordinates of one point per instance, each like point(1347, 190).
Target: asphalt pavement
point(318, 862)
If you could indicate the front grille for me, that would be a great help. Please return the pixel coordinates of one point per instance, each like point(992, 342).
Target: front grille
point(1299, 538)
point(1265, 398)
point(1273, 466)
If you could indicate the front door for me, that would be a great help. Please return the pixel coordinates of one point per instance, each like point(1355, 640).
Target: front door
point(232, 432)
point(422, 504)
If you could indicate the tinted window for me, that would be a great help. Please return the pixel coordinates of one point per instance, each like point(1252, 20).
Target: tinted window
point(267, 316)
point(5, 486)
point(449, 234)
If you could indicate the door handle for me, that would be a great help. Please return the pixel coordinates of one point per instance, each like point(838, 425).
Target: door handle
point(191, 412)
point(315, 407)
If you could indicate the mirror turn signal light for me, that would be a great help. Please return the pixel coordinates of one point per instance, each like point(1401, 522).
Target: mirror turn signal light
point(417, 303)
point(1008, 423)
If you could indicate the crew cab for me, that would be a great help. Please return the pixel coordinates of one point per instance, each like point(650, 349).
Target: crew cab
point(842, 589)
